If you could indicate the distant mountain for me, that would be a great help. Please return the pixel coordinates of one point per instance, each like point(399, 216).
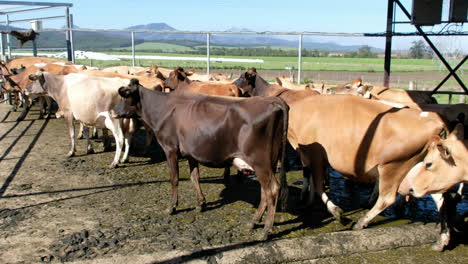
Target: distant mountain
point(153, 26)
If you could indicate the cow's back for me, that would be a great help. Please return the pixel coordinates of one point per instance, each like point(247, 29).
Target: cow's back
point(89, 95)
point(357, 134)
point(207, 122)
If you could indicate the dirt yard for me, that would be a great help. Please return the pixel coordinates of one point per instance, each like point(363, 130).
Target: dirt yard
point(58, 209)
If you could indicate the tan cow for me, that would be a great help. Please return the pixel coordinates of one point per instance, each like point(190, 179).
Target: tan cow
point(445, 165)
point(88, 99)
point(287, 83)
point(124, 69)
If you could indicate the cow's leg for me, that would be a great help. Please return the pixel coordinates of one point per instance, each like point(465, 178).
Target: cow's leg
point(71, 132)
point(89, 145)
point(26, 106)
point(106, 140)
point(149, 138)
point(319, 182)
point(42, 103)
point(390, 176)
point(114, 126)
point(94, 132)
point(444, 238)
point(260, 211)
point(80, 131)
point(129, 127)
point(307, 191)
point(49, 103)
point(227, 176)
point(171, 156)
point(270, 188)
point(195, 177)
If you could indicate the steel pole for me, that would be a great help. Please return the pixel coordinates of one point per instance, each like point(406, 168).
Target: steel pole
point(299, 62)
point(1, 46)
point(388, 43)
point(67, 35)
point(8, 36)
point(133, 49)
point(208, 36)
point(70, 18)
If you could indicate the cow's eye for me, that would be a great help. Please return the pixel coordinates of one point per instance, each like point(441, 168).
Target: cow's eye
point(428, 165)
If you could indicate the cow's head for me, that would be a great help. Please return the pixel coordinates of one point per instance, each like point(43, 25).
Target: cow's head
point(177, 76)
point(246, 82)
point(130, 106)
point(38, 84)
point(444, 166)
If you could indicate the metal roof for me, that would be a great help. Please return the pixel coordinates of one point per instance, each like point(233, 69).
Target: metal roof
point(8, 7)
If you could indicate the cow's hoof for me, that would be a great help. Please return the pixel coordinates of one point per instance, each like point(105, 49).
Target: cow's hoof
point(251, 226)
point(124, 160)
point(262, 236)
point(90, 151)
point(40, 117)
point(201, 208)
point(114, 165)
point(358, 226)
point(438, 246)
point(70, 154)
point(170, 210)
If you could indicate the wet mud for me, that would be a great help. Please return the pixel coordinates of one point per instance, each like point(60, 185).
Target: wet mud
point(58, 209)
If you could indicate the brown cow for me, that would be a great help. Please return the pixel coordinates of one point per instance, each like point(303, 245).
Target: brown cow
point(215, 131)
point(372, 142)
point(253, 85)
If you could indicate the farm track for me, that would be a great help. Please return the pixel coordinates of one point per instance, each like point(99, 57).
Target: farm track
point(58, 209)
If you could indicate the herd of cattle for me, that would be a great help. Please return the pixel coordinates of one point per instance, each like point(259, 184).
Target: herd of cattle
point(402, 140)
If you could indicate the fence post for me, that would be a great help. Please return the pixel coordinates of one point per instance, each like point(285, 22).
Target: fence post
point(299, 62)
point(67, 34)
point(208, 36)
point(71, 39)
point(8, 36)
point(133, 49)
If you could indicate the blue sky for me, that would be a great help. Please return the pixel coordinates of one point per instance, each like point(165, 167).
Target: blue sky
point(357, 16)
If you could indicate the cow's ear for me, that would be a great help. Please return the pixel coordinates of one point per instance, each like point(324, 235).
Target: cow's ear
point(134, 81)
point(444, 151)
point(124, 92)
point(278, 81)
point(458, 132)
point(160, 75)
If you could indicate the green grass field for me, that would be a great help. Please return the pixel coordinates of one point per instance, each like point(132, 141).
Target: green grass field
point(280, 63)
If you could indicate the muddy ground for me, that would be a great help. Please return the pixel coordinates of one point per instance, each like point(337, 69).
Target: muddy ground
point(58, 209)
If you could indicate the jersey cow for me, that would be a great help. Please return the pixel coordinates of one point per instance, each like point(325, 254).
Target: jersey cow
point(85, 98)
point(249, 133)
point(444, 166)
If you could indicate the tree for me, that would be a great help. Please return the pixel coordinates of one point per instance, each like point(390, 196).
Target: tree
point(419, 50)
point(365, 52)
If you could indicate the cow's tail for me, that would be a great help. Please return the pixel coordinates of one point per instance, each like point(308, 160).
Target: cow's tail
point(284, 191)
